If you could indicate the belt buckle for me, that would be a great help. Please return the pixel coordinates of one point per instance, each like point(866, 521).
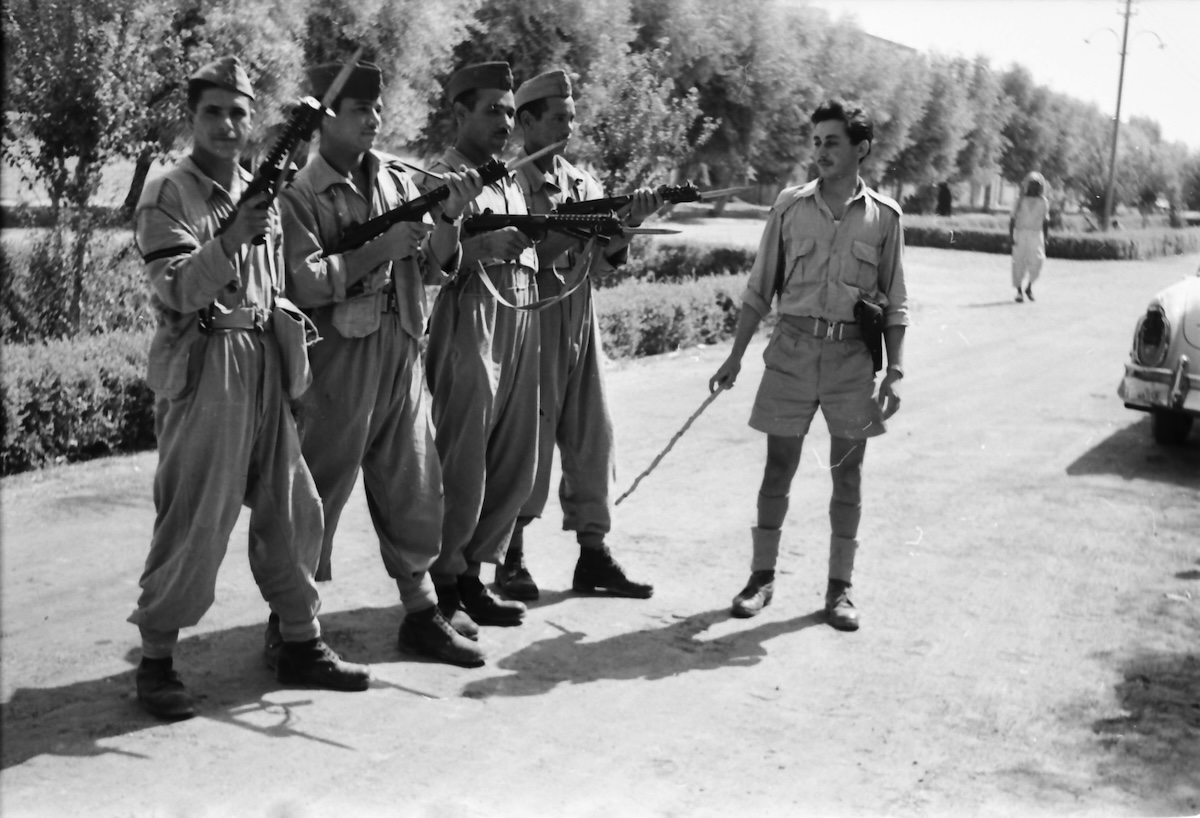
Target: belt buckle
point(829, 330)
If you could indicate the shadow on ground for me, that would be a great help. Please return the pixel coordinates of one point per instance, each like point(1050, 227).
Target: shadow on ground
point(1132, 454)
point(223, 669)
point(1155, 744)
point(651, 654)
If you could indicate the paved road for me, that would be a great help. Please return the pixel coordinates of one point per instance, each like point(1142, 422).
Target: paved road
point(1028, 585)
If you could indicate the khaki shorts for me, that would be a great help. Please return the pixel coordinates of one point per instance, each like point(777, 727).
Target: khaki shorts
point(803, 373)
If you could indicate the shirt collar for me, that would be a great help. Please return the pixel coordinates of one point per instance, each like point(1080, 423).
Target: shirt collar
point(208, 184)
point(539, 178)
point(323, 175)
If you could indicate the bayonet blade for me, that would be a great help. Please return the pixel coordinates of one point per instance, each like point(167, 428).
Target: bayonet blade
point(725, 191)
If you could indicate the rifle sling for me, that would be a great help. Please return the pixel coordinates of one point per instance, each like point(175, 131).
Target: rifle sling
point(585, 261)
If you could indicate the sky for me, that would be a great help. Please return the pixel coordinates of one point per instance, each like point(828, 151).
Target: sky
point(1049, 37)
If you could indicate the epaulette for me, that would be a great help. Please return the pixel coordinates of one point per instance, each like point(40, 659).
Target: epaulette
point(887, 201)
point(790, 195)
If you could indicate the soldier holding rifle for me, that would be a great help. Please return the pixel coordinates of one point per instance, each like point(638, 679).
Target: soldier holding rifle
point(226, 435)
point(367, 409)
point(482, 364)
point(574, 403)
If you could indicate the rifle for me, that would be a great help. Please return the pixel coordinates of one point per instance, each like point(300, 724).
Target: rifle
point(536, 225)
point(671, 194)
point(305, 117)
point(490, 171)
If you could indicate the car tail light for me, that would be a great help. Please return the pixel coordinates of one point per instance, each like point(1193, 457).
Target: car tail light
point(1152, 337)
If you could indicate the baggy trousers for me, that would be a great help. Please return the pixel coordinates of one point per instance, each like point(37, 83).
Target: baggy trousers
point(228, 441)
point(1029, 254)
point(366, 408)
point(574, 412)
point(483, 374)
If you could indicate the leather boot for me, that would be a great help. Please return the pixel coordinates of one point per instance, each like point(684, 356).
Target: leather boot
point(450, 605)
point(839, 609)
point(597, 572)
point(513, 578)
point(272, 641)
point(484, 607)
point(428, 633)
point(755, 596)
point(313, 663)
point(160, 691)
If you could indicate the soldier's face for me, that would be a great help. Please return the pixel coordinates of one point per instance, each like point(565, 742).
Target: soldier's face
point(487, 126)
point(836, 156)
point(221, 123)
point(555, 125)
point(355, 126)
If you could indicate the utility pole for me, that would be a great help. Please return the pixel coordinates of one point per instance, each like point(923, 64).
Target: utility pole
point(1112, 159)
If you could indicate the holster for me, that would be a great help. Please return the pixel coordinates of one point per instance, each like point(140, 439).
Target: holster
point(294, 332)
point(870, 322)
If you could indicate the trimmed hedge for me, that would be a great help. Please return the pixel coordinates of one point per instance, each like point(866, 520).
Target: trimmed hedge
point(1126, 245)
point(639, 318)
point(74, 400)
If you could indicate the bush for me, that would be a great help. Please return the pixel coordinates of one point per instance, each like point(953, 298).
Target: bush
point(640, 318)
point(662, 261)
point(36, 285)
point(1124, 245)
point(74, 400)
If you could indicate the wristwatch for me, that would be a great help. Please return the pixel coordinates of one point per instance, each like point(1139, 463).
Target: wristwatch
point(899, 370)
point(448, 220)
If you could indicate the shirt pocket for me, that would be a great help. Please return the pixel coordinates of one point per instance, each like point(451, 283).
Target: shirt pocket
point(802, 262)
point(864, 266)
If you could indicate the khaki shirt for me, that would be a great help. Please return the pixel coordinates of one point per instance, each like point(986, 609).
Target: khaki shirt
point(318, 206)
point(545, 191)
point(502, 196)
point(820, 268)
point(177, 218)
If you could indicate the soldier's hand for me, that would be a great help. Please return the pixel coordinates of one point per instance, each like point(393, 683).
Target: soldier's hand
point(403, 239)
point(889, 394)
point(726, 375)
point(505, 244)
point(646, 201)
point(251, 219)
point(465, 188)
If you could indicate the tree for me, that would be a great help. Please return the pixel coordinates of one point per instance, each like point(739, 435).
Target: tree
point(979, 159)
point(931, 154)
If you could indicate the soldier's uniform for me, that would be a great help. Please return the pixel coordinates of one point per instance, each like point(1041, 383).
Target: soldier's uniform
point(366, 407)
point(482, 368)
point(574, 402)
point(226, 435)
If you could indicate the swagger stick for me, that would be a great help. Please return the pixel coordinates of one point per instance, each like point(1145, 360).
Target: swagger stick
point(712, 397)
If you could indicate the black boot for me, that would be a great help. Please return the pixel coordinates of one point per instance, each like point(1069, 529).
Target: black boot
point(513, 578)
point(450, 604)
point(839, 609)
point(483, 606)
point(272, 642)
point(160, 691)
point(313, 663)
point(427, 632)
point(755, 596)
point(597, 572)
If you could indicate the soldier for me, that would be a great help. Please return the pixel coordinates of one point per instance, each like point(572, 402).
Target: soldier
point(832, 249)
point(226, 436)
point(366, 409)
point(482, 365)
point(574, 404)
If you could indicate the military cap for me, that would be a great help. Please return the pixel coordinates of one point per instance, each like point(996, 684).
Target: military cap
point(550, 84)
point(366, 81)
point(226, 73)
point(479, 75)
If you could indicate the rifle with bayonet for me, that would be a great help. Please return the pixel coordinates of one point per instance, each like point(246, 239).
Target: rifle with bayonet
point(305, 117)
point(490, 171)
point(577, 225)
point(671, 194)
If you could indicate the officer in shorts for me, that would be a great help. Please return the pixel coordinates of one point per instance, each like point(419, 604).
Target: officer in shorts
point(831, 251)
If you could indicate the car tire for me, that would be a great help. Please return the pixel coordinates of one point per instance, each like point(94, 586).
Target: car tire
point(1170, 428)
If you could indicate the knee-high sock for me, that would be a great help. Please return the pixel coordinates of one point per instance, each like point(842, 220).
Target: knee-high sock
point(771, 511)
point(843, 541)
point(766, 548)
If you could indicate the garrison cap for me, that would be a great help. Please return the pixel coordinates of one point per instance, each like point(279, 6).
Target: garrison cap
point(479, 75)
point(226, 73)
point(366, 81)
point(550, 84)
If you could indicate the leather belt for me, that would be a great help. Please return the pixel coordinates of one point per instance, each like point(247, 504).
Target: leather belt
point(820, 328)
point(246, 319)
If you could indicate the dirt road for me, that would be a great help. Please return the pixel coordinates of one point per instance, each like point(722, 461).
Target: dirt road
point(1028, 584)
